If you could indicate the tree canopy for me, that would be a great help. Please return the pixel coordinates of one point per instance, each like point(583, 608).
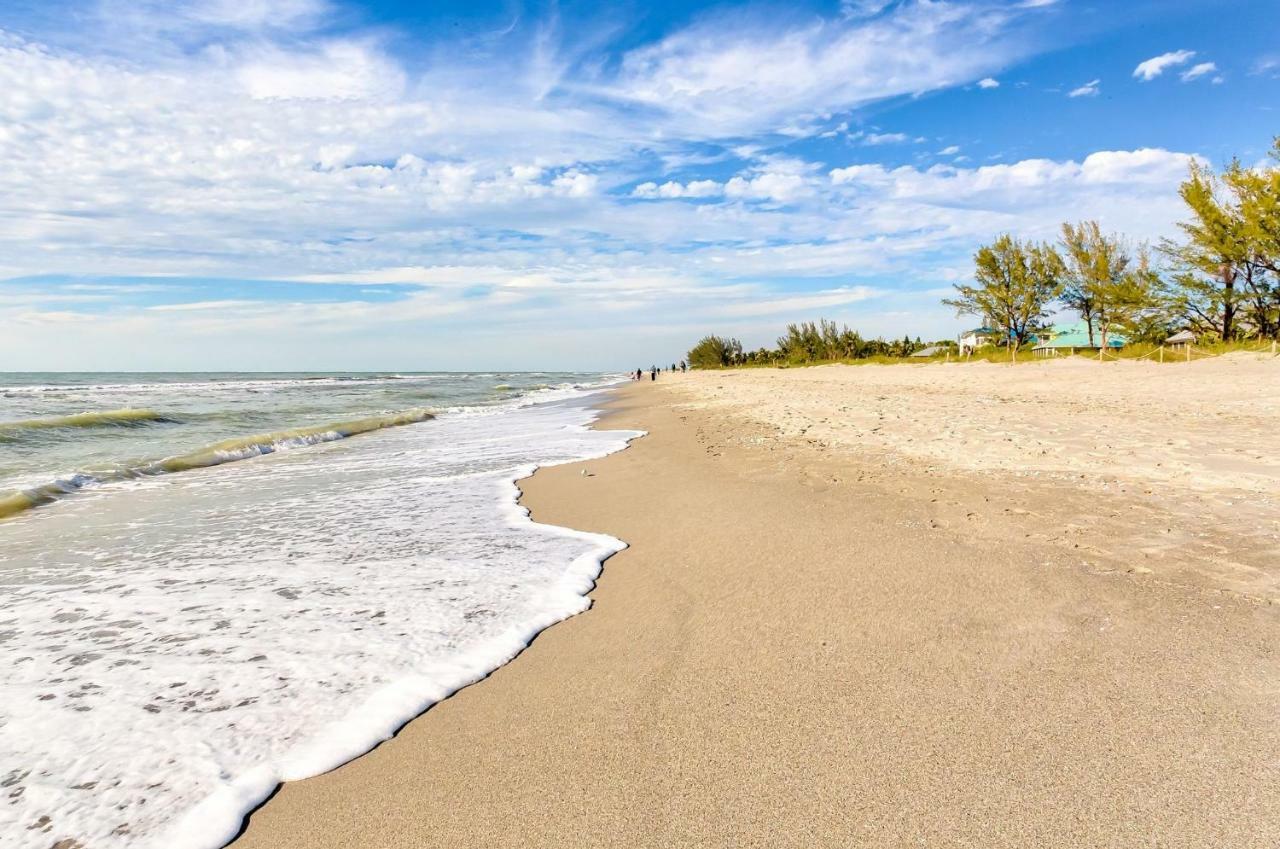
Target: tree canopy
point(1226, 279)
point(1015, 282)
point(715, 352)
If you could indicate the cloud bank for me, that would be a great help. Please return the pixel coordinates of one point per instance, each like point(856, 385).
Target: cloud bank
point(535, 191)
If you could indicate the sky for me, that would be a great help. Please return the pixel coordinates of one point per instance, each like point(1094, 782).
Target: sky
point(321, 184)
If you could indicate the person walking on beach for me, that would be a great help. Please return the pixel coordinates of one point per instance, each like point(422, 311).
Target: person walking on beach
point(653, 372)
point(683, 367)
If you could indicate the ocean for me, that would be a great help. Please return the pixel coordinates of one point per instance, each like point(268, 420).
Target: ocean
point(211, 583)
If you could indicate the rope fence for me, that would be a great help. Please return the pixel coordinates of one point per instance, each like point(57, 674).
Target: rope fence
point(1173, 353)
point(1186, 353)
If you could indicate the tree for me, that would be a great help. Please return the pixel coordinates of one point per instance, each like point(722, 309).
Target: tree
point(1211, 257)
point(1091, 261)
point(822, 340)
point(1014, 283)
point(1126, 299)
point(1256, 192)
point(1102, 281)
point(715, 352)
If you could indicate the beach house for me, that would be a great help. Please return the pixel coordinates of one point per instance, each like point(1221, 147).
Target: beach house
point(972, 340)
point(1073, 338)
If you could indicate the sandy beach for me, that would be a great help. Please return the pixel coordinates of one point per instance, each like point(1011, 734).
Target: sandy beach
point(879, 606)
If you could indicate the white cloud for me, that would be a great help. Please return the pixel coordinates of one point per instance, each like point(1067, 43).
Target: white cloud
point(672, 189)
point(885, 138)
point(718, 79)
point(194, 306)
point(768, 186)
point(493, 198)
point(1197, 71)
point(253, 14)
point(1089, 89)
point(1157, 65)
point(988, 82)
point(341, 70)
point(1131, 191)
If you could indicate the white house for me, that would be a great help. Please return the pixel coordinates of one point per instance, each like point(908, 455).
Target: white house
point(972, 340)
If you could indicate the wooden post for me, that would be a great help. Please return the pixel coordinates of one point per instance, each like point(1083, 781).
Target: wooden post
point(1188, 352)
point(1161, 353)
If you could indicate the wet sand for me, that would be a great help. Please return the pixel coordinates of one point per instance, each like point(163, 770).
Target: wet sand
point(810, 645)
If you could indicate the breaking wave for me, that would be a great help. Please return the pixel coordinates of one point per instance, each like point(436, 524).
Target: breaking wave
point(229, 450)
point(105, 418)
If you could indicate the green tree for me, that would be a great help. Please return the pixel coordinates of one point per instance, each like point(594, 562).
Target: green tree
point(1256, 193)
point(1125, 300)
point(1091, 261)
point(1102, 280)
point(1210, 258)
point(1014, 284)
point(715, 352)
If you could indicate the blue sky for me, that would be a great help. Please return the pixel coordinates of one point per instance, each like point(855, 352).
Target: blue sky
point(316, 184)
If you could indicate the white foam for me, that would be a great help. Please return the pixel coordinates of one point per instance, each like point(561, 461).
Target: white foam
point(206, 635)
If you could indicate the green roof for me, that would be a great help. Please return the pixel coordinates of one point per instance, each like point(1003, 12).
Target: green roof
point(1076, 336)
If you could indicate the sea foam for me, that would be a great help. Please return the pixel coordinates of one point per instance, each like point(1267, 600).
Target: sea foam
point(172, 647)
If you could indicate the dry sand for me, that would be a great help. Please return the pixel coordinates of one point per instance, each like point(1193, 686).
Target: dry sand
point(821, 638)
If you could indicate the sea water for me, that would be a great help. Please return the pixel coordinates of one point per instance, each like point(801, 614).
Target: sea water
point(213, 583)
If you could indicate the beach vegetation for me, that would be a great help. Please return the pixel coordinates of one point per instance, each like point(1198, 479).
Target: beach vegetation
point(1015, 284)
point(823, 341)
point(716, 352)
point(1225, 280)
point(1109, 284)
point(812, 343)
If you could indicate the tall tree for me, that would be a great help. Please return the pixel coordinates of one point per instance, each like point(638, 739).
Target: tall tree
point(1211, 256)
point(1124, 300)
point(1092, 262)
point(1103, 282)
point(1256, 193)
point(1014, 283)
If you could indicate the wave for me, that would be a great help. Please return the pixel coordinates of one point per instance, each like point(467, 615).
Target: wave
point(215, 384)
point(105, 418)
point(227, 451)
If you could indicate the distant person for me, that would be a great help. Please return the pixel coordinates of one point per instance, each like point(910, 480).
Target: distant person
point(638, 373)
point(653, 373)
point(683, 367)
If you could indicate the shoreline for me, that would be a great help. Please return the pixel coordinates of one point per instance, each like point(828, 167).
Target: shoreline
point(807, 647)
point(286, 637)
